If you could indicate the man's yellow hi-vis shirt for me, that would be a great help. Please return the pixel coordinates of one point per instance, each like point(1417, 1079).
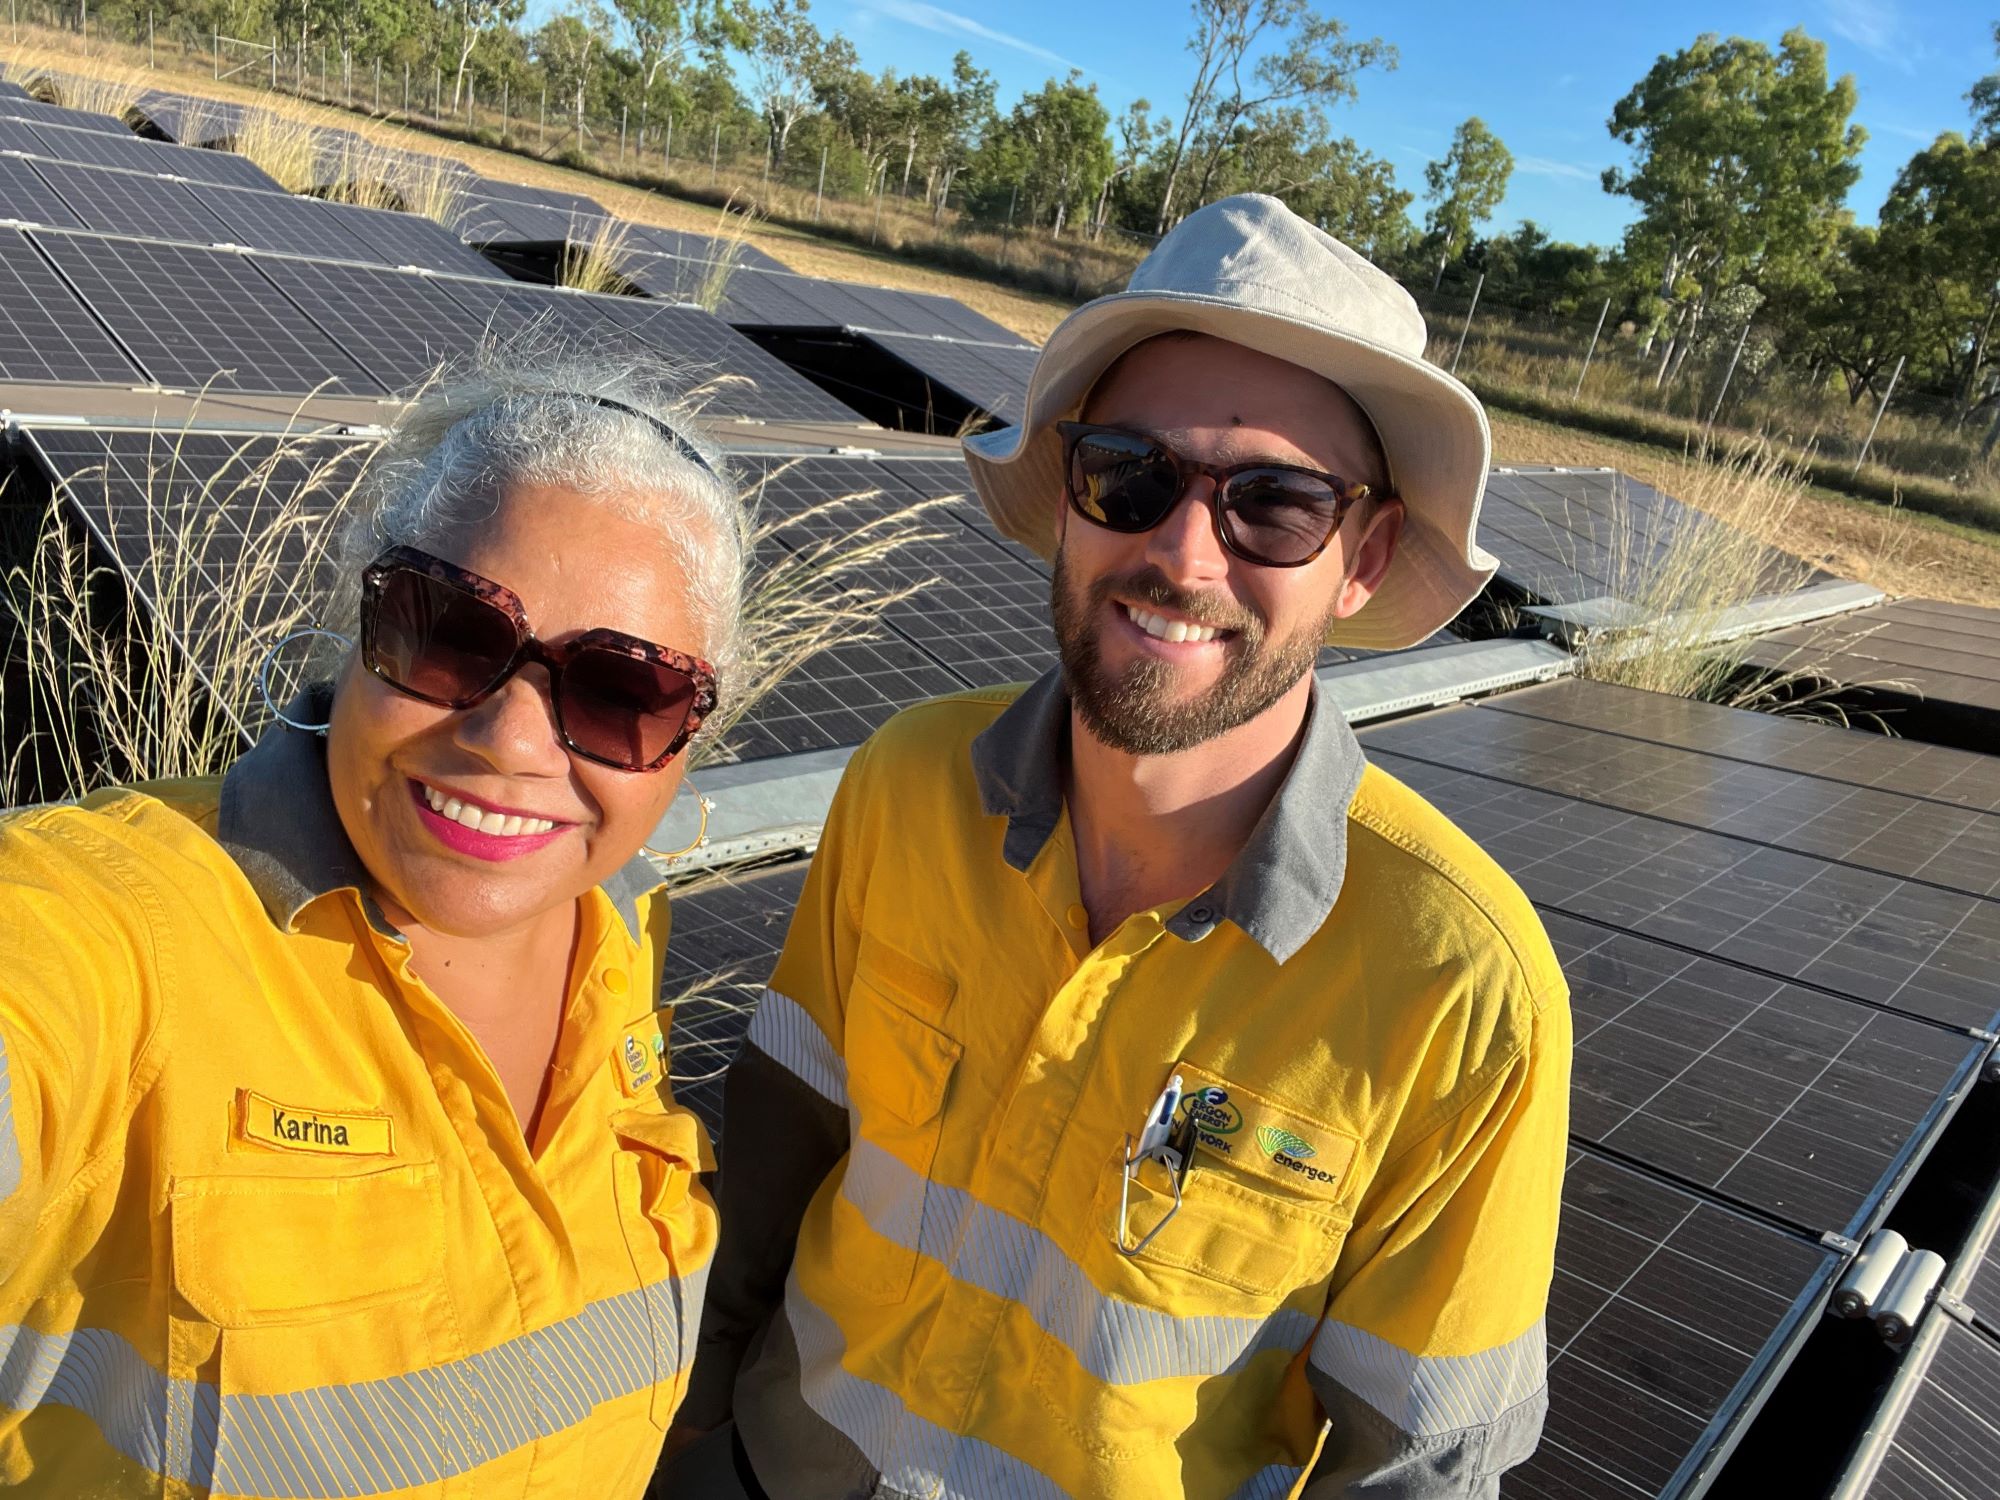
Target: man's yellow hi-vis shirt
point(268, 1224)
point(935, 1279)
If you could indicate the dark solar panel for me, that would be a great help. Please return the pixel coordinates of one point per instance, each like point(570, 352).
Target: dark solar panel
point(1916, 948)
point(667, 277)
point(26, 196)
point(734, 929)
point(486, 220)
point(10, 90)
point(754, 299)
point(698, 247)
point(510, 311)
point(981, 614)
point(398, 327)
point(1873, 828)
point(211, 530)
point(991, 377)
point(277, 221)
point(127, 152)
point(1564, 536)
point(1936, 773)
point(18, 135)
point(741, 379)
point(935, 478)
point(894, 310)
point(1665, 1313)
point(204, 318)
point(400, 239)
point(559, 200)
point(25, 108)
point(1946, 654)
point(1947, 1446)
point(150, 208)
point(1782, 1098)
point(189, 121)
point(46, 333)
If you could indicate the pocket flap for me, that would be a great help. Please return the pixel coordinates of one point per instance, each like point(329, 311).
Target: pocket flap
point(254, 1250)
point(673, 1146)
point(897, 1061)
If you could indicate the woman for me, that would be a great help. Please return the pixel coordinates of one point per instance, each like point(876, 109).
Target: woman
point(337, 1156)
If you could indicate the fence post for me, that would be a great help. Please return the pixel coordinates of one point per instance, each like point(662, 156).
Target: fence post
point(437, 91)
point(1870, 441)
point(667, 152)
point(151, 61)
point(274, 62)
point(406, 90)
point(378, 85)
point(624, 113)
point(542, 129)
point(1603, 312)
point(881, 191)
point(1478, 287)
point(506, 101)
point(819, 193)
point(215, 64)
point(715, 154)
point(1729, 374)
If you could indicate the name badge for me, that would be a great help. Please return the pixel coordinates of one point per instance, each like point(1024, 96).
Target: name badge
point(324, 1132)
point(641, 1057)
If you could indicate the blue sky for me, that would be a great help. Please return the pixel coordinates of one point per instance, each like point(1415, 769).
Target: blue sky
point(1544, 76)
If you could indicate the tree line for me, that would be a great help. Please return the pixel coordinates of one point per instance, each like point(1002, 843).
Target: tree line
point(1742, 158)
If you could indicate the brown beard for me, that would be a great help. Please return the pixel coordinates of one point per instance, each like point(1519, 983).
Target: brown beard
point(1137, 711)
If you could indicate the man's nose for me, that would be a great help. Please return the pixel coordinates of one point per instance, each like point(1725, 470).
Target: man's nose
point(1185, 546)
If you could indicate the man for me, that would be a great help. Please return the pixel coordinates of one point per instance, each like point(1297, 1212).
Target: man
point(1153, 1099)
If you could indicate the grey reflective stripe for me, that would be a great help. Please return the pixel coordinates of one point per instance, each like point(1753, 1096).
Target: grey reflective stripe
point(360, 1439)
point(783, 1032)
point(914, 1456)
point(1273, 1482)
point(1119, 1342)
point(10, 1148)
point(1430, 1395)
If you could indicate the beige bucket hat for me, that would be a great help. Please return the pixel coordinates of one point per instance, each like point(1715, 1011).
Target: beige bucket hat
point(1249, 270)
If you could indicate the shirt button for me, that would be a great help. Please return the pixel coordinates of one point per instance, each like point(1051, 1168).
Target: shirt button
point(1201, 913)
point(1078, 917)
point(616, 982)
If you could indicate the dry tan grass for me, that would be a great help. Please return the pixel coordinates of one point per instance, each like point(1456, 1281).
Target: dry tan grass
point(592, 263)
point(86, 75)
point(285, 146)
point(732, 232)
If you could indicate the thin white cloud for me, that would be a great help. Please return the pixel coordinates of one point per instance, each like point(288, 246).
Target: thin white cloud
point(1876, 26)
point(928, 17)
point(1907, 132)
point(1542, 166)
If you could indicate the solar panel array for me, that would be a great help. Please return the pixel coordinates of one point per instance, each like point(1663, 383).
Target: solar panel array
point(188, 121)
point(1566, 535)
point(49, 334)
point(1926, 649)
point(992, 378)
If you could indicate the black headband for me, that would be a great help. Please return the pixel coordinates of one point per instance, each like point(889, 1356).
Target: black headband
point(681, 445)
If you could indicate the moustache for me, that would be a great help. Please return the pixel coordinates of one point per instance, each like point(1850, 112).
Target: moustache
point(1150, 586)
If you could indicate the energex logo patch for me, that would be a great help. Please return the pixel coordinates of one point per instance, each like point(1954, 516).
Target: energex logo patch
point(1292, 1152)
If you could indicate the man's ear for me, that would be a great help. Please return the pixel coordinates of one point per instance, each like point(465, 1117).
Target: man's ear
point(1369, 556)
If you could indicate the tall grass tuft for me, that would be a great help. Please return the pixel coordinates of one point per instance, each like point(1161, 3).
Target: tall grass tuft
point(285, 146)
point(85, 79)
point(593, 263)
point(1684, 581)
point(101, 678)
point(733, 226)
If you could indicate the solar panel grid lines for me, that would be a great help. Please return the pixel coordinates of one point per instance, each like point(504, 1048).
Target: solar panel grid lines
point(934, 478)
point(1787, 1100)
point(1917, 949)
point(755, 299)
point(398, 327)
point(1872, 828)
point(131, 203)
point(980, 613)
point(733, 376)
point(1935, 773)
point(1947, 1446)
point(514, 312)
point(26, 107)
point(203, 319)
point(10, 91)
point(702, 248)
point(735, 928)
point(1945, 654)
point(1665, 1310)
point(992, 378)
point(27, 198)
point(47, 332)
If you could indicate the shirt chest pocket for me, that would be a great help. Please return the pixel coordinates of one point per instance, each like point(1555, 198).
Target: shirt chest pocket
point(670, 1229)
point(899, 1068)
point(312, 1308)
point(1230, 1288)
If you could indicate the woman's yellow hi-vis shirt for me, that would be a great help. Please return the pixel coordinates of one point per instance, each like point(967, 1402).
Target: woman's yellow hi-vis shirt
point(935, 1279)
point(268, 1224)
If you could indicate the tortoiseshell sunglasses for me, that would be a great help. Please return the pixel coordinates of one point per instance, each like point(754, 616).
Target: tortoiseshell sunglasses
point(448, 636)
point(1276, 515)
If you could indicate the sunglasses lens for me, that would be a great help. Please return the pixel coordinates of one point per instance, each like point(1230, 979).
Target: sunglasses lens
point(434, 641)
point(1278, 516)
point(621, 710)
point(1121, 481)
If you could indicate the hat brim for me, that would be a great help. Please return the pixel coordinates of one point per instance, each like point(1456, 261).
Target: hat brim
point(1433, 429)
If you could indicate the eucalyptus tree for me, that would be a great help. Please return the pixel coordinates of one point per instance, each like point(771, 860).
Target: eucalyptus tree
point(1465, 188)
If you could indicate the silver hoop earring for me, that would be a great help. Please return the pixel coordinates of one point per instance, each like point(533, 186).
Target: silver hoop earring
point(701, 837)
point(264, 677)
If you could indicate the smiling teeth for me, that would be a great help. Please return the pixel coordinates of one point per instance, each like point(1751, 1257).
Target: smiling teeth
point(1175, 631)
point(481, 820)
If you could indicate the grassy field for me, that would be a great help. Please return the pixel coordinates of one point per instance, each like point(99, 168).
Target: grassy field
point(1895, 548)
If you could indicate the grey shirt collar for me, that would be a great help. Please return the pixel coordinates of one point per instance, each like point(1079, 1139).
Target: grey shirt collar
point(1282, 884)
point(278, 822)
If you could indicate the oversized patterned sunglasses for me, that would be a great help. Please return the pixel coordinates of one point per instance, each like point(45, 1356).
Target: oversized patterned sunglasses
point(1276, 515)
point(447, 636)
